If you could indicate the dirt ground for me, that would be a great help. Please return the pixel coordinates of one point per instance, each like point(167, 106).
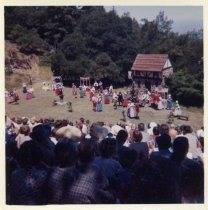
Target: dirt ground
point(41, 107)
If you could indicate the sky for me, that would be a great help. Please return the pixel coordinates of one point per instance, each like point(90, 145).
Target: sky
point(185, 18)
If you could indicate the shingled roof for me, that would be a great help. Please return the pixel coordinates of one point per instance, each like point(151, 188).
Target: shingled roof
point(149, 62)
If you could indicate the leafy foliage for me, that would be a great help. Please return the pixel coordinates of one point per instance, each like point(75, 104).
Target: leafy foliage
point(88, 41)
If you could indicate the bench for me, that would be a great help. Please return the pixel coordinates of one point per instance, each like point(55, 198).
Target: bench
point(183, 117)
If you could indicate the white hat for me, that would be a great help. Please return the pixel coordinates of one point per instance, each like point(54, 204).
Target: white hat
point(150, 130)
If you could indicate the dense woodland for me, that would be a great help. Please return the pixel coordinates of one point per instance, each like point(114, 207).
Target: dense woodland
point(88, 41)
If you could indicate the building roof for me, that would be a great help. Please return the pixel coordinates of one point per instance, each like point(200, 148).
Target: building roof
point(149, 62)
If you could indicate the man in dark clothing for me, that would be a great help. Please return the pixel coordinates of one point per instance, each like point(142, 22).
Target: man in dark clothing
point(140, 147)
point(164, 143)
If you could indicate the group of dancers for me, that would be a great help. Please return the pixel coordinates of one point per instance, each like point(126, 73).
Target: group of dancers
point(131, 103)
point(12, 95)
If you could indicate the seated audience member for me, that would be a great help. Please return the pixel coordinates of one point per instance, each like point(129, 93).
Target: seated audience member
point(40, 135)
point(164, 128)
point(27, 182)
point(105, 162)
point(164, 143)
point(192, 181)
point(180, 149)
point(90, 186)
point(140, 147)
point(24, 135)
point(62, 176)
point(191, 172)
point(156, 182)
point(121, 138)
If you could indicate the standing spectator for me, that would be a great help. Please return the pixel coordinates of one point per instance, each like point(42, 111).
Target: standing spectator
point(90, 186)
point(27, 182)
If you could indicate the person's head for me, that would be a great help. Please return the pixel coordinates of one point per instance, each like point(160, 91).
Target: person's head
point(86, 150)
point(141, 127)
point(156, 130)
point(187, 129)
point(137, 136)
point(66, 152)
point(163, 142)
point(121, 136)
point(82, 120)
point(164, 129)
point(64, 122)
point(29, 154)
point(180, 147)
point(58, 124)
point(25, 121)
point(157, 182)
point(24, 129)
point(39, 134)
point(192, 182)
point(98, 132)
point(107, 147)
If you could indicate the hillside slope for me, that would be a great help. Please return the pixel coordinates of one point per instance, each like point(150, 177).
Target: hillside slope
point(20, 67)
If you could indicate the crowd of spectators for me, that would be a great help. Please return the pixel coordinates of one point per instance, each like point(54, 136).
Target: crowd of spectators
point(60, 162)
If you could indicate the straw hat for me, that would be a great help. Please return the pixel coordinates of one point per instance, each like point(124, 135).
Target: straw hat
point(69, 131)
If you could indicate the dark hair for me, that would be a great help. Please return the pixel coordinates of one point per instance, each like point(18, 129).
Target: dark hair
point(163, 142)
point(24, 121)
point(180, 149)
point(156, 130)
point(127, 158)
point(192, 181)
point(64, 122)
point(187, 129)
point(86, 150)
point(58, 124)
point(137, 136)
point(164, 129)
point(107, 147)
point(141, 127)
point(39, 134)
point(82, 119)
point(24, 129)
point(66, 152)
point(121, 136)
point(29, 154)
point(157, 182)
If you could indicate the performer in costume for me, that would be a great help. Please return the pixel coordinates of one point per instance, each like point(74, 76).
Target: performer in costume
point(24, 88)
point(120, 98)
point(131, 111)
point(169, 102)
point(99, 106)
point(177, 111)
point(94, 103)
